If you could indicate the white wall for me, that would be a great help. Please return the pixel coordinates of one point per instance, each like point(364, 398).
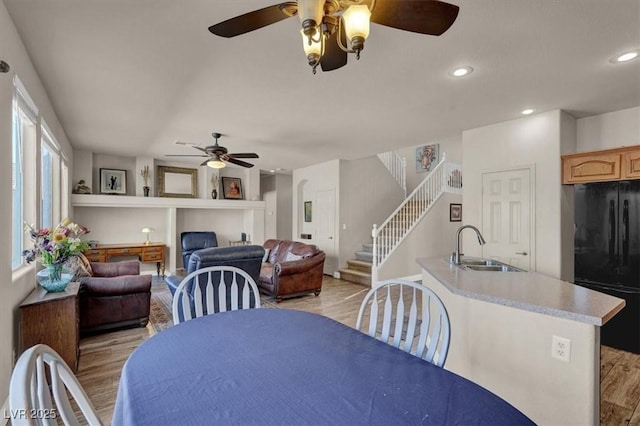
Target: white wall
point(530, 140)
point(306, 183)
point(613, 130)
point(434, 235)
point(15, 287)
point(368, 195)
point(452, 146)
point(284, 200)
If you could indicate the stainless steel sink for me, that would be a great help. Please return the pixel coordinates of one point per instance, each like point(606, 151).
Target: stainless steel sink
point(477, 264)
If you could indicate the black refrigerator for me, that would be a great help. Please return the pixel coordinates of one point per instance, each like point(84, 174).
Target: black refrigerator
point(607, 253)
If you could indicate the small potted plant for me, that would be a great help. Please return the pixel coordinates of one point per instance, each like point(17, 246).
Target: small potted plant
point(146, 175)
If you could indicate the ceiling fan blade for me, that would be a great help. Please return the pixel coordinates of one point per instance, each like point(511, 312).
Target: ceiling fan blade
point(244, 155)
point(334, 57)
point(251, 21)
point(430, 17)
point(237, 162)
point(204, 163)
point(185, 155)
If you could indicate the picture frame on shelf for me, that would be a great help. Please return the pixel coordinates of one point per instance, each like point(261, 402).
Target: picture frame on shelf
point(177, 182)
point(232, 188)
point(455, 212)
point(113, 181)
point(307, 211)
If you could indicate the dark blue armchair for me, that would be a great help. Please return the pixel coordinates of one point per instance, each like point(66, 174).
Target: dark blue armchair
point(247, 258)
point(196, 240)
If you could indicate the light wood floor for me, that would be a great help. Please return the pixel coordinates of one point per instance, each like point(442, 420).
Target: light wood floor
point(102, 356)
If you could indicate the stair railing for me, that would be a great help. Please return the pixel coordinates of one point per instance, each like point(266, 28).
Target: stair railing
point(445, 177)
point(397, 166)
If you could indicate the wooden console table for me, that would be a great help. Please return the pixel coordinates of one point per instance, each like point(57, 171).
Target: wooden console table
point(52, 319)
point(146, 253)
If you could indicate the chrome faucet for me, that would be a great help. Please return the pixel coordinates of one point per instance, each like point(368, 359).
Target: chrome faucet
point(456, 255)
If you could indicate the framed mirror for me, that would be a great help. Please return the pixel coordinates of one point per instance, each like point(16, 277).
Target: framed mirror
point(177, 182)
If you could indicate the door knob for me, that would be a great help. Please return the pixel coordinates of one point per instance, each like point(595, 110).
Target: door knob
point(331, 238)
point(524, 253)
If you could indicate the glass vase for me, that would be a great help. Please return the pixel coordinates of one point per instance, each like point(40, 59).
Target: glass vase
point(54, 278)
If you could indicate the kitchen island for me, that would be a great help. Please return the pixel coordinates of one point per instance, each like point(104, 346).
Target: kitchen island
point(502, 328)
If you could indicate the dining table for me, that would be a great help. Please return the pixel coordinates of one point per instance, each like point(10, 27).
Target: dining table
point(290, 367)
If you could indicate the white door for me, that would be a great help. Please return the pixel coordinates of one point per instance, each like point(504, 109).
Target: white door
point(324, 216)
point(507, 217)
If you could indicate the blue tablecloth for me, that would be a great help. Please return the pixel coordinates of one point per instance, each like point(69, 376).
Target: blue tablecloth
point(285, 367)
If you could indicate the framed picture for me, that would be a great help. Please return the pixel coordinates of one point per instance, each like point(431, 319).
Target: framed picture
point(455, 212)
point(307, 211)
point(113, 181)
point(232, 188)
point(427, 157)
point(177, 182)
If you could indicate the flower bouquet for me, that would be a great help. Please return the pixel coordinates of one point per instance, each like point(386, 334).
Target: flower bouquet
point(54, 247)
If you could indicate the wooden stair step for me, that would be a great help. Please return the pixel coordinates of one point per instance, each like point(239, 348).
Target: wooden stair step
point(354, 276)
point(359, 265)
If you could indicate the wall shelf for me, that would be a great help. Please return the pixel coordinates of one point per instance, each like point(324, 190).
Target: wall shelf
point(89, 200)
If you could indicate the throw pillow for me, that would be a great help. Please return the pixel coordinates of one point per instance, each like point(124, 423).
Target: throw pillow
point(290, 257)
point(265, 258)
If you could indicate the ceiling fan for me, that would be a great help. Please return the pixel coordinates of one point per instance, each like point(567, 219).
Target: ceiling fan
point(328, 24)
point(218, 155)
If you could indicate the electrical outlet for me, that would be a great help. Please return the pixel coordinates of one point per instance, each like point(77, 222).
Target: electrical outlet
point(561, 348)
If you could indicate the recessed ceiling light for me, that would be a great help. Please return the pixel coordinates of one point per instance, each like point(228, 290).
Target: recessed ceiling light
point(625, 57)
point(528, 111)
point(461, 71)
point(272, 171)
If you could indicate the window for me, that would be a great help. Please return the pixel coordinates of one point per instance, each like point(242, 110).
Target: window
point(24, 118)
point(50, 185)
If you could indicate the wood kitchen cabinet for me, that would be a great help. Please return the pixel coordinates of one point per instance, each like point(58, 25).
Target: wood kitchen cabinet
point(599, 166)
point(52, 319)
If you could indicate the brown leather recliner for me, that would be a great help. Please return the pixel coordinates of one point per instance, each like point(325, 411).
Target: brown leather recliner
point(115, 296)
point(292, 268)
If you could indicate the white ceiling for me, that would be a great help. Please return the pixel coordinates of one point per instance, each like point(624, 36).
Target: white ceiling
point(132, 77)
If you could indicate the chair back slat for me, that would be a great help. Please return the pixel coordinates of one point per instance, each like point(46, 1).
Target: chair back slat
point(397, 333)
point(226, 287)
point(386, 318)
point(411, 323)
point(29, 391)
point(221, 289)
point(425, 332)
point(197, 295)
point(373, 318)
point(234, 294)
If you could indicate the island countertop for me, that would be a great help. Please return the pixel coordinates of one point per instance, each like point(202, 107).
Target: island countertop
point(530, 291)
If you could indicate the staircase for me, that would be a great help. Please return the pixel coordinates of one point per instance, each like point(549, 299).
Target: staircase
point(358, 270)
point(445, 177)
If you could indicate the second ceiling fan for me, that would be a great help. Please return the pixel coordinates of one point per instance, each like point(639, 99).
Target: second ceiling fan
point(333, 28)
point(218, 155)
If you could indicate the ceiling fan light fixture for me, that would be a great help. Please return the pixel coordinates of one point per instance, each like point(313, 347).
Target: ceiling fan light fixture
point(312, 48)
point(215, 164)
point(356, 25)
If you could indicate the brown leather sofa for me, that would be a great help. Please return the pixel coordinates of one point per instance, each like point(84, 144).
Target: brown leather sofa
point(114, 296)
point(292, 269)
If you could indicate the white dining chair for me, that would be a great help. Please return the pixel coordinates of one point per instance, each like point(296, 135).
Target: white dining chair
point(30, 393)
point(413, 319)
point(214, 289)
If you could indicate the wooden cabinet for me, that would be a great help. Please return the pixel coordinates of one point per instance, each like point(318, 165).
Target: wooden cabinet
point(52, 319)
point(631, 163)
point(599, 166)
